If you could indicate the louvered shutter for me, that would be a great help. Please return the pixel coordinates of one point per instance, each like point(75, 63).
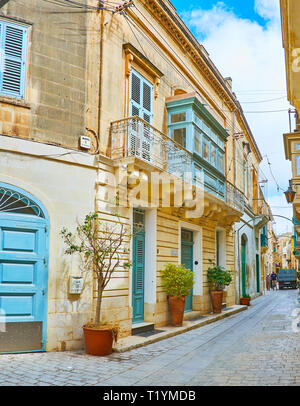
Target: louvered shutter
point(138, 279)
point(13, 43)
point(140, 105)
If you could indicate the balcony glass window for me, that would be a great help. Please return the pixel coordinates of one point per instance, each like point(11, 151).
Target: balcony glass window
point(298, 164)
point(213, 155)
point(179, 135)
point(178, 117)
point(221, 161)
point(205, 148)
point(197, 142)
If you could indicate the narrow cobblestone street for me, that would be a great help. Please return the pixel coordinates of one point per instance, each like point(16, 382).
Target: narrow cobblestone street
point(259, 346)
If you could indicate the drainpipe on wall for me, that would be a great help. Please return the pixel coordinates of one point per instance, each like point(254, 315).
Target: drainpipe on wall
point(100, 89)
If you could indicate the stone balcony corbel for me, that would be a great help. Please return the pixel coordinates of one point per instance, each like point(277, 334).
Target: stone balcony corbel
point(260, 221)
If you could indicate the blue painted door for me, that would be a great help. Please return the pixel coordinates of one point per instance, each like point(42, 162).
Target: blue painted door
point(243, 261)
point(257, 274)
point(23, 282)
point(187, 261)
point(138, 277)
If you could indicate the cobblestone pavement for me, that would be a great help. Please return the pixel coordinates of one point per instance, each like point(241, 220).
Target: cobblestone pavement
point(259, 346)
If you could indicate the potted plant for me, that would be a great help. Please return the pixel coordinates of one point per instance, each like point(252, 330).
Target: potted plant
point(218, 277)
point(245, 300)
point(177, 282)
point(99, 244)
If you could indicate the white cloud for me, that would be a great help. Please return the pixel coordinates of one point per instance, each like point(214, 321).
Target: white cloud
point(253, 56)
point(268, 9)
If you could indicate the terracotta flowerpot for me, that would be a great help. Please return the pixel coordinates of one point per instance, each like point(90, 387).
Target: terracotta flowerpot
point(245, 301)
point(216, 300)
point(177, 305)
point(98, 341)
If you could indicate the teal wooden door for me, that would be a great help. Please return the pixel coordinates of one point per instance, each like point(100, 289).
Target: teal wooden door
point(187, 261)
point(138, 276)
point(23, 282)
point(257, 274)
point(243, 261)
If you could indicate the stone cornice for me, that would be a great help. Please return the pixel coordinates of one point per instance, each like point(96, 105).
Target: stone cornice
point(184, 38)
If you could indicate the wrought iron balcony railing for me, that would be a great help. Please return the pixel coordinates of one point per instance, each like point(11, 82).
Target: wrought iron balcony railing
point(234, 198)
point(135, 137)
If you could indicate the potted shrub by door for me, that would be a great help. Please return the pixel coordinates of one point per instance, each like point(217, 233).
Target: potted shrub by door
point(245, 300)
point(99, 245)
point(218, 277)
point(177, 282)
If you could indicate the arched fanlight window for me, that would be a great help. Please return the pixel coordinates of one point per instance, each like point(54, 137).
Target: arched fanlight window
point(12, 201)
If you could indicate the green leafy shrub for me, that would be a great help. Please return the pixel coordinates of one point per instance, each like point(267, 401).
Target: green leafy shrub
point(218, 277)
point(177, 280)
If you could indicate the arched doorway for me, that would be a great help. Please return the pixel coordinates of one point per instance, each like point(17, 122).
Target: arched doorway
point(244, 248)
point(24, 231)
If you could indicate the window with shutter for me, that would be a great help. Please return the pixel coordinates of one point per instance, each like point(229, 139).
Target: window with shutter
point(13, 40)
point(141, 101)
point(141, 97)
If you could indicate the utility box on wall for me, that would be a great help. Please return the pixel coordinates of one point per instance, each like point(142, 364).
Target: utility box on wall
point(75, 285)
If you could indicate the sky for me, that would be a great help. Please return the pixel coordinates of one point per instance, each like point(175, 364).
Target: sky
point(244, 41)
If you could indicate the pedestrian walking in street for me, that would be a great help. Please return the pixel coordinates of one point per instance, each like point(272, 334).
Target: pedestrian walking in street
point(268, 281)
point(274, 280)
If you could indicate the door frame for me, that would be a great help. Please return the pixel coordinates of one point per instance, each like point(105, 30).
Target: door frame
point(150, 263)
point(47, 242)
point(197, 254)
point(244, 257)
point(190, 245)
point(258, 283)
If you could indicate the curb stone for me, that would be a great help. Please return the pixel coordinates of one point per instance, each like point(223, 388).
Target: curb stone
point(132, 342)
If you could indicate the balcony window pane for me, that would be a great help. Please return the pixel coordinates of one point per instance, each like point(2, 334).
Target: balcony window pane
point(179, 135)
point(178, 117)
point(197, 142)
point(205, 148)
point(221, 161)
point(213, 155)
point(298, 164)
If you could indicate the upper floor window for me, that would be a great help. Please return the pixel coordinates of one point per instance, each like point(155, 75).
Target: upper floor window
point(13, 39)
point(245, 170)
point(297, 164)
point(141, 97)
point(179, 136)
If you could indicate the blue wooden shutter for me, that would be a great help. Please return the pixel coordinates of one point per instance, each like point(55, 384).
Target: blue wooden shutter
point(13, 55)
point(141, 97)
point(141, 105)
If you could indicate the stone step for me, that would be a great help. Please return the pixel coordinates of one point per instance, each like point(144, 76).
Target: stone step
point(141, 327)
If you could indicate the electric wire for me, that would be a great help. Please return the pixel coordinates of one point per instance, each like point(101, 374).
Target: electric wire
point(263, 101)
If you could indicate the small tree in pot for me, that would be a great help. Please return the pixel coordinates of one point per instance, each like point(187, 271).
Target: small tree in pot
point(100, 245)
point(177, 282)
point(218, 277)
